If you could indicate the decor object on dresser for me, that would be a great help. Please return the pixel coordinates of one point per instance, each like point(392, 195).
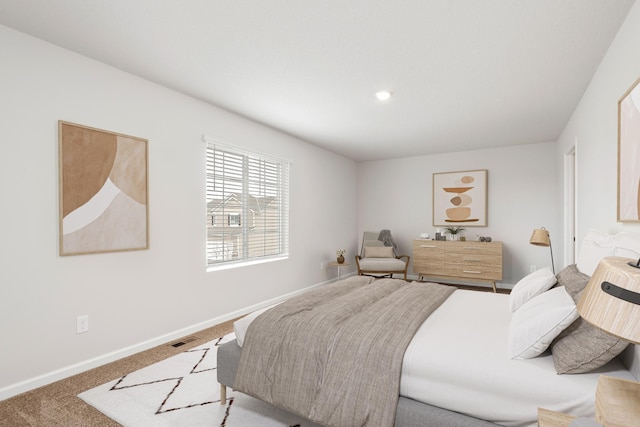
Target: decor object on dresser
point(540, 237)
point(460, 198)
point(458, 261)
point(378, 256)
point(454, 231)
point(628, 155)
point(103, 191)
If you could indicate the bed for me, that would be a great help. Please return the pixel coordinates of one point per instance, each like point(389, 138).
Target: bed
point(461, 372)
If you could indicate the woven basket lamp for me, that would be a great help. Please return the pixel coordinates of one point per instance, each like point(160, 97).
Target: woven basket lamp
point(611, 300)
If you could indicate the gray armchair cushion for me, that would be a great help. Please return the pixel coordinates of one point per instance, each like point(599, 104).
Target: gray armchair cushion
point(378, 252)
point(382, 264)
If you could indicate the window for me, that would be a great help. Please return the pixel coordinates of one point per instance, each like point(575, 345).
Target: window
point(234, 220)
point(247, 206)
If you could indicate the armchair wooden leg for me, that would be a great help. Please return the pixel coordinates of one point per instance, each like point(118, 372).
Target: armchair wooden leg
point(223, 394)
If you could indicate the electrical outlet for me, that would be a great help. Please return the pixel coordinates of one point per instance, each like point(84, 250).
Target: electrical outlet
point(532, 268)
point(82, 324)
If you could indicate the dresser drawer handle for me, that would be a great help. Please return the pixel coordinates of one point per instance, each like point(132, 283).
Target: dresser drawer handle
point(473, 248)
point(428, 246)
point(472, 271)
point(472, 259)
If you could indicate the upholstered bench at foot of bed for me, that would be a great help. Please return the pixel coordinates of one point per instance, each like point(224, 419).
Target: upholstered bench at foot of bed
point(410, 413)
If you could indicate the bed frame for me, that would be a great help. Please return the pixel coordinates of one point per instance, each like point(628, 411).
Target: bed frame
point(410, 413)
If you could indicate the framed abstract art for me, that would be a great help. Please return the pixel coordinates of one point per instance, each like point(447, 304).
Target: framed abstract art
point(629, 155)
point(103, 191)
point(460, 198)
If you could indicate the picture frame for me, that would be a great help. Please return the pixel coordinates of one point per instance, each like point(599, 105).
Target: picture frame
point(629, 155)
point(103, 190)
point(460, 198)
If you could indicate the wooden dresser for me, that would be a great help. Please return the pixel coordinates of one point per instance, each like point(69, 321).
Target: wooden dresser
point(469, 261)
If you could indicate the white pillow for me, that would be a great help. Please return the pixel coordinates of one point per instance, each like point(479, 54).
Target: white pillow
point(539, 321)
point(595, 246)
point(530, 286)
point(627, 245)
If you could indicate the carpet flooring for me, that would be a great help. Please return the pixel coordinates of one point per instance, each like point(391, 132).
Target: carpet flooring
point(57, 404)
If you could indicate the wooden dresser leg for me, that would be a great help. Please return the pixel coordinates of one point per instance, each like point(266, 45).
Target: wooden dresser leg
point(493, 284)
point(223, 394)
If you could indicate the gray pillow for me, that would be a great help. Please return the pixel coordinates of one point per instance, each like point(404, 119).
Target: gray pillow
point(573, 281)
point(582, 347)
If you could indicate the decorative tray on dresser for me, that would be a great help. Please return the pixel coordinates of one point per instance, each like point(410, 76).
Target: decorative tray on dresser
point(468, 261)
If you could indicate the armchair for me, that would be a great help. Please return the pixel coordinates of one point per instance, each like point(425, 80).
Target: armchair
point(378, 258)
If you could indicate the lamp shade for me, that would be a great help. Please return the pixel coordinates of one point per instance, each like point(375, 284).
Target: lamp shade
point(611, 300)
point(540, 237)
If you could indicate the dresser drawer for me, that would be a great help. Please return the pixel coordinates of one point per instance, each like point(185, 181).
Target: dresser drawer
point(473, 259)
point(466, 261)
point(474, 272)
point(428, 257)
point(471, 248)
point(428, 252)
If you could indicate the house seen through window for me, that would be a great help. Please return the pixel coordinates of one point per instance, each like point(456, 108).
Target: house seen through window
point(234, 220)
point(247, 206)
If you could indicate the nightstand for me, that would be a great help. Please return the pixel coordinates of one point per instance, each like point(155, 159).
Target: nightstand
point(338, 265)
point(547, 418)
point(617, 405)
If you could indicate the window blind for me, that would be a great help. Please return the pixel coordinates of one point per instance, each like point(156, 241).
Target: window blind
point(247, 198)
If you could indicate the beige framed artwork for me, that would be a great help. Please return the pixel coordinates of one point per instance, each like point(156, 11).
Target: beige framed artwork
point(460, 198)
point(629, 155)
point(103, 191)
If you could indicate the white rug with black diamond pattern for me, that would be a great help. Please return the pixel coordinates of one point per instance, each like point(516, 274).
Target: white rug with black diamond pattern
point(183, 391)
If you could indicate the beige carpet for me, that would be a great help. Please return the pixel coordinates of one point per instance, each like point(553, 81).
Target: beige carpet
point(57, 404)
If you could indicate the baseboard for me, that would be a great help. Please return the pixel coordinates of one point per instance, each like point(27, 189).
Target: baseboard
point(60, 374)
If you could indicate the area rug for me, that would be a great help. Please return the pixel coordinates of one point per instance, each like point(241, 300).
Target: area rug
point(183, 391)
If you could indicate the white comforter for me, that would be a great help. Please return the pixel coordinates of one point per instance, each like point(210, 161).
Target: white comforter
point(458, 361)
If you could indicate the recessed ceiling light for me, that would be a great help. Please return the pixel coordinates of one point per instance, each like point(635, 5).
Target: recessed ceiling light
point(383, 95)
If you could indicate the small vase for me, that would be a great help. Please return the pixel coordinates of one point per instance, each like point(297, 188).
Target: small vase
point(340, 259)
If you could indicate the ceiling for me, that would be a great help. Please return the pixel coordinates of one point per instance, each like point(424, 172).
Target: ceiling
point(465, 74)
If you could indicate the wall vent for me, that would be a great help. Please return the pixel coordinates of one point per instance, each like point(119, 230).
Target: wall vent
point(184, 341)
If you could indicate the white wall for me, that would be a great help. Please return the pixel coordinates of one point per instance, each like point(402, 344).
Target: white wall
point(594, 125)
point(134, 299)
point(397, 195)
